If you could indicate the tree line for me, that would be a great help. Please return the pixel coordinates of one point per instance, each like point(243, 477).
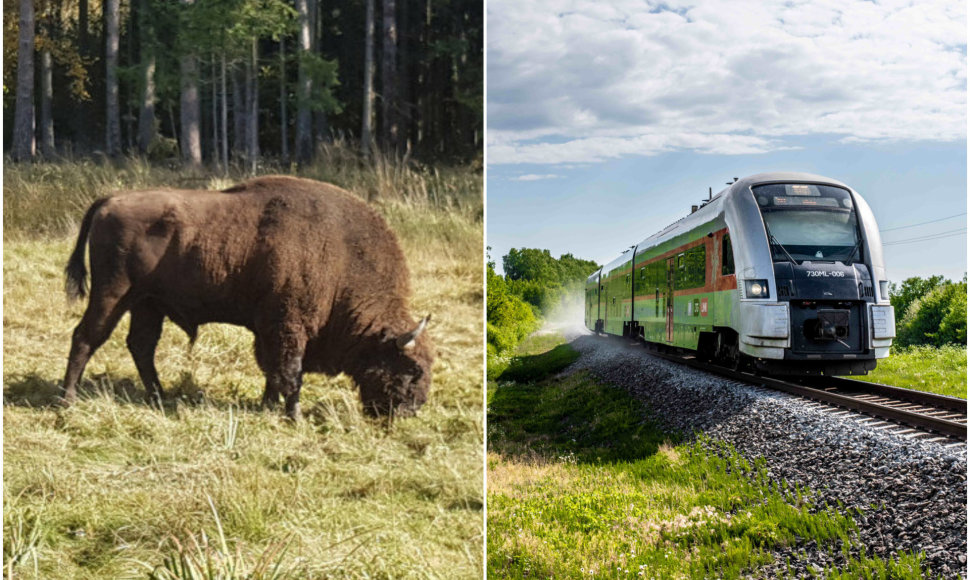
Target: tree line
point(236, 81)
point(535, 285)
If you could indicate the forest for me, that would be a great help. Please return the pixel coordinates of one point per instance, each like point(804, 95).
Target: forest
point(217, 83)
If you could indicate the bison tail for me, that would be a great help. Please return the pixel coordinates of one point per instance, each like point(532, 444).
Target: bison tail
point(77, 274)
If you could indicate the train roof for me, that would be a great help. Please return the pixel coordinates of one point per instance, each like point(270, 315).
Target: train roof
point(711, 209)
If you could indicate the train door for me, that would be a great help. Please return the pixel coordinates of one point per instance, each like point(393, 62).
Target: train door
point(671, 269)
point(599, 302)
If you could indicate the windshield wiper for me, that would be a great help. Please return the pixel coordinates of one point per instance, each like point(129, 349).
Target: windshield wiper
point(851, 255)
point(774, 241)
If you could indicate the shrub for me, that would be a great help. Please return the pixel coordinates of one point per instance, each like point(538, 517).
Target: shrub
point(937, 318)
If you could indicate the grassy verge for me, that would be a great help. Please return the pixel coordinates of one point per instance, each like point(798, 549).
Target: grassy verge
point(924, 368)
point(583, 484)
point(538, 352)
point(112, 488)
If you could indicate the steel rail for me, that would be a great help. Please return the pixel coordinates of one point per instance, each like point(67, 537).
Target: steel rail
point(919, 397)
point(948, 427)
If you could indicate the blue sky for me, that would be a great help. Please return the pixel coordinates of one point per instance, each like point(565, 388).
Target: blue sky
point(606, 121)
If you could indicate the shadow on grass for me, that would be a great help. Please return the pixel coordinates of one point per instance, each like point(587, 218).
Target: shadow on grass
point(536, 414)
point(35, 391)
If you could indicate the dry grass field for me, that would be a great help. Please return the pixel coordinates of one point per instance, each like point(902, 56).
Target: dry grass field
point(211, 486)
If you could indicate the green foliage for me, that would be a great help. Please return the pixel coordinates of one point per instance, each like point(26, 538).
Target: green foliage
point(936, 318)
point(323, 80)
point(509, 318)
point(532, 278)
point(911, 290)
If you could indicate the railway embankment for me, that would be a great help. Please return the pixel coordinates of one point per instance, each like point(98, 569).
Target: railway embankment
point(905, 494)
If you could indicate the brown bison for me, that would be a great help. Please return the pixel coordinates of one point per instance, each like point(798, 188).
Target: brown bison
point(311, 270)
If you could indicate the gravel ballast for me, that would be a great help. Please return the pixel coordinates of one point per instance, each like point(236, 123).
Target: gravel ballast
point(911, 492)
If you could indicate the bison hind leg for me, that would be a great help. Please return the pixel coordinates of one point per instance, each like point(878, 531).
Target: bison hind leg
point(99, 319)
point(146, 329)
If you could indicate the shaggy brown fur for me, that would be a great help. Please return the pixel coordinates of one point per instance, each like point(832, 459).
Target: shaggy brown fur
point(310, 269)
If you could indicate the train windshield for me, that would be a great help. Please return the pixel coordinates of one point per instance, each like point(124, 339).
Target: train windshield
point(809, 222)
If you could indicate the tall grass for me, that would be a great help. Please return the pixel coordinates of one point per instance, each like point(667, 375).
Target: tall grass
point(115, 488)
point(47, 199)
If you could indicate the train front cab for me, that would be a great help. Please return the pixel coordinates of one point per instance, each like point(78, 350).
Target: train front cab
point(819, 301)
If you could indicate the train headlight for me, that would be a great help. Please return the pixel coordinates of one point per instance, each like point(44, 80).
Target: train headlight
point(755, 288)
point(884, 290)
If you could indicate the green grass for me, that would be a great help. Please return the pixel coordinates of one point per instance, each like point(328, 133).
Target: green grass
point(113, 488)
point(536, 353)
point(582, 483)
point(924, 368)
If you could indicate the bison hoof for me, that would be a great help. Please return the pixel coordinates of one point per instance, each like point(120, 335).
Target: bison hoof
point(67, 400)
point(293, 413)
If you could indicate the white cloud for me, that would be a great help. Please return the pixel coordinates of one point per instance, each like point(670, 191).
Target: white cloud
point(577, 81)
point(536, 177)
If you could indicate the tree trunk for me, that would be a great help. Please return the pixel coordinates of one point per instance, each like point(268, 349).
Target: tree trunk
point(23, 126)
point(304, 118)
point(389, 77)
point(46, 98)
point(252, 116)
point(215, 112)
point(367, 119)
point(239, 110)
point(404, 78)
point(82, 27)
point(190, 113)
point(146, 114)
point(112, 16)
point(284, 137)
point(424, 82)
point(47, 87)
point(321, 128)
point(225, 118)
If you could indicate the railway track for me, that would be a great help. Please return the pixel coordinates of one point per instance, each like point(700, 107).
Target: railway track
point(927, 412)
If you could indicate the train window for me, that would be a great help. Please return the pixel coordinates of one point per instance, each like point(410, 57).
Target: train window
point(727, 256)
point(694, 270)
point(810, 222)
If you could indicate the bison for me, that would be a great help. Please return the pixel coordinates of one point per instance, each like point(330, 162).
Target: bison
point(313, 272)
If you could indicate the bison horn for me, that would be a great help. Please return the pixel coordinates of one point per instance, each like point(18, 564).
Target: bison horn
point(406, 341)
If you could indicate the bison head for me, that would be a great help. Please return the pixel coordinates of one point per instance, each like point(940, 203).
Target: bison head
point(397, 380)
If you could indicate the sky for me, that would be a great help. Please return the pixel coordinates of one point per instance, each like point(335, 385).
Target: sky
point(607, 120)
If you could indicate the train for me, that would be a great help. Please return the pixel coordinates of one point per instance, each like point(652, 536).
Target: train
point(779, 273)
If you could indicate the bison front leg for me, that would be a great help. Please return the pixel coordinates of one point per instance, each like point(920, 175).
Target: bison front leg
point(146, 329)
point(280, 355)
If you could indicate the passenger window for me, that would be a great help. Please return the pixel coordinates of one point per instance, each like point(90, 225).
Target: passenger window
point(727, 256)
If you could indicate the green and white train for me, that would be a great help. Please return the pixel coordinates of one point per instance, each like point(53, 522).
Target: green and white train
point(782, 272)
